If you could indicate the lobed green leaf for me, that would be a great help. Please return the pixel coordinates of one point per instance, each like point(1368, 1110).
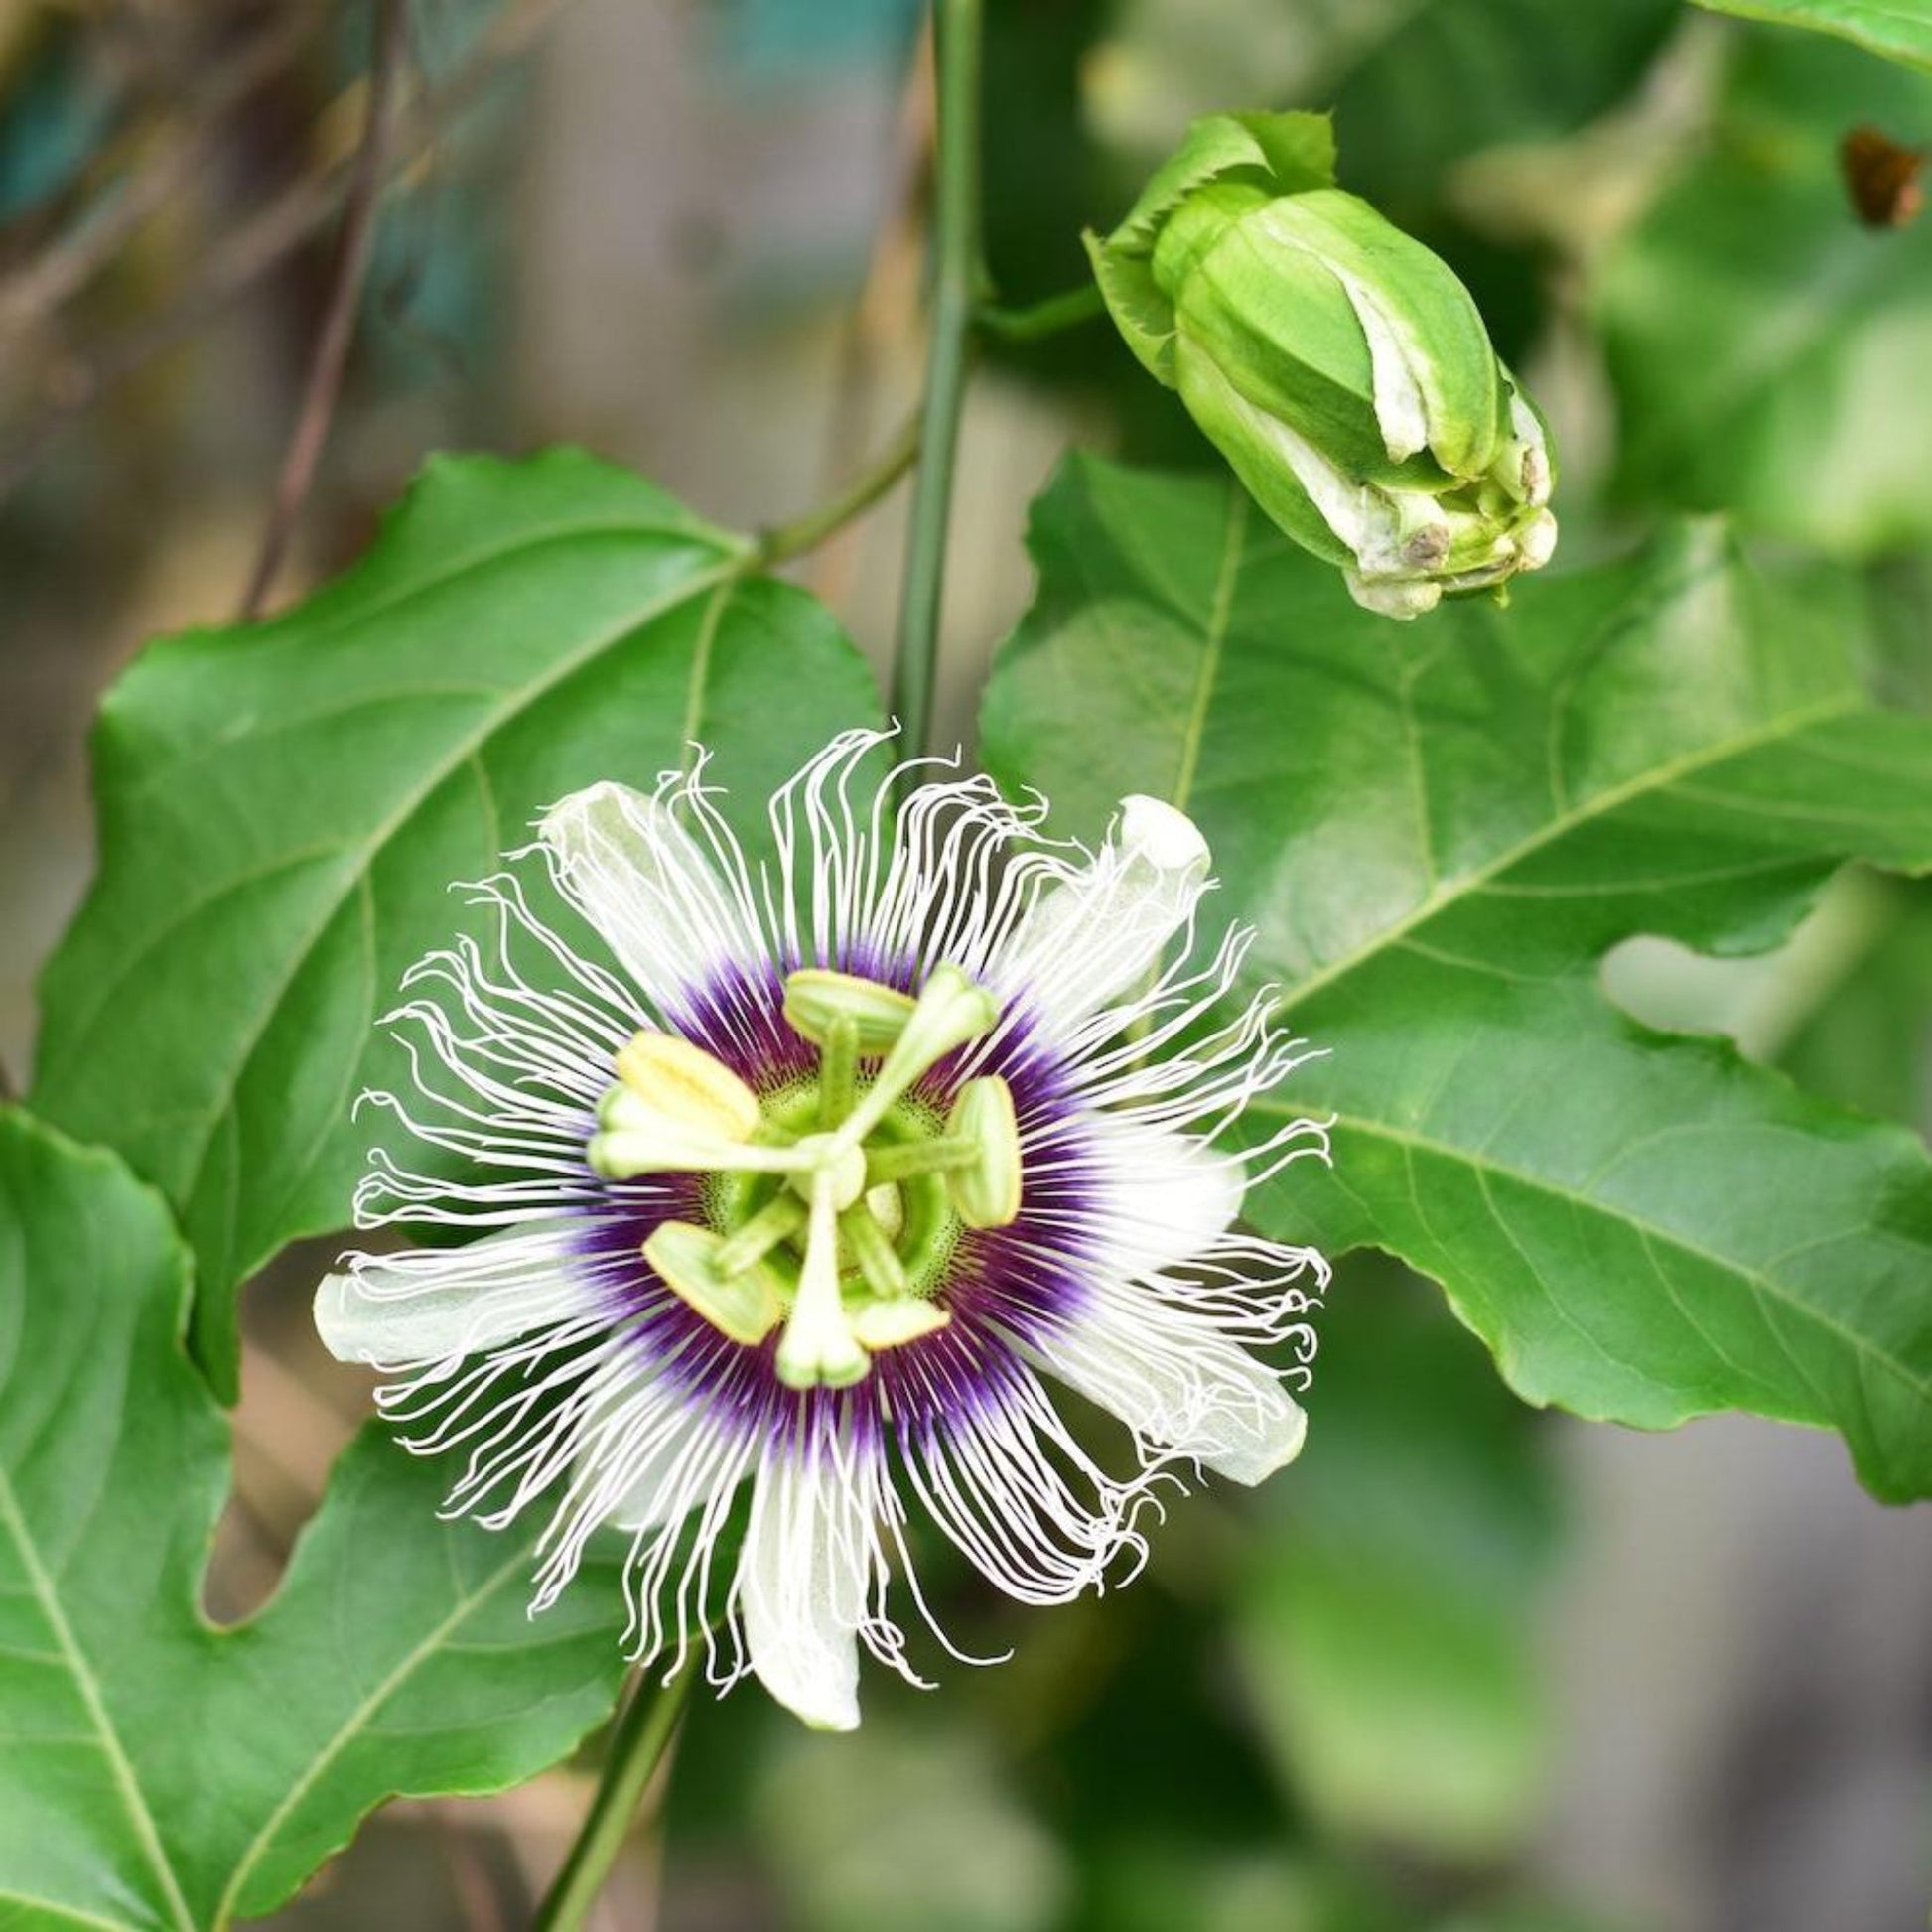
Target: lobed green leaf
point(1438, 837)
point(159, 1771)
point(284, 807)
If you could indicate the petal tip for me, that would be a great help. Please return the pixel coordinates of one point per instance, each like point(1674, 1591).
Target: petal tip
point(1159, 833)
point(1273, 1446)
point(335, 1322)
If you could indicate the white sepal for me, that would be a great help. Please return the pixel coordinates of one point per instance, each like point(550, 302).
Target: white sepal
point(801, 1585)
point(437, 1304)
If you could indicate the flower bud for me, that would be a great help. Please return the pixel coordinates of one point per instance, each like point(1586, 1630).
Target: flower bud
point(1338, 366)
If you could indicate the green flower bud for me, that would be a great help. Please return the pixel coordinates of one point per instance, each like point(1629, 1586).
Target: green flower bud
point(1338, 366)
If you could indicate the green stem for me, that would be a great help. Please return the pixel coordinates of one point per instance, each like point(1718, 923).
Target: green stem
point(638, 1741)
point(784, 541)
point(956, 248)
point(1042, 319)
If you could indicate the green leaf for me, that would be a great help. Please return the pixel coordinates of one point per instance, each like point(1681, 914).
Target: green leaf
point(156, 1771)
point(283, 809)
point(1901, 29)
point(1415, 85)
point(1768, 351)
point(1452, 77)
point(1439, 831)
point(1386, 1631)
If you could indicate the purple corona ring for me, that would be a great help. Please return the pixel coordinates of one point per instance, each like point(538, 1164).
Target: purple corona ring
point(790, 1209)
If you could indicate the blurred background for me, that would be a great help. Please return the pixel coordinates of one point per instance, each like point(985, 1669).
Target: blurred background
point(1468, 1667)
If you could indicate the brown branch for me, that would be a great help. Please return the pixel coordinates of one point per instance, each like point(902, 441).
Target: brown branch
point(253, 250)
point(331, 358)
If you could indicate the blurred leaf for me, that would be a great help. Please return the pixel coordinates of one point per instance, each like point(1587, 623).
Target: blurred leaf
point(1387, 1629)
point(1414, 84)
point(1456, 77)
point(283, 809)
point(1769, 352)
point(1439, 831)
point(1899, 28)
point(1867, 1042)
point(1153, 1888)
point(159, 1771)
point(964, 1856)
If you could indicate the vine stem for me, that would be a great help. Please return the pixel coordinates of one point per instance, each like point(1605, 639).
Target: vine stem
point(638, 1741)
point(1043, 318)
point(956, 267)
point(783, 541)
point(330, 358)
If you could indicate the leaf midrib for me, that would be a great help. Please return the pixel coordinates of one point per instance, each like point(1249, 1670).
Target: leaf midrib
point(1451, 892)
point(362, 857)
point(351, 1725)
point(1482, 1162)
point(82, 1673)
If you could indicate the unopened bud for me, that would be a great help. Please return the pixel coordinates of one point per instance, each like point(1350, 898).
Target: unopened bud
point(1340, 367)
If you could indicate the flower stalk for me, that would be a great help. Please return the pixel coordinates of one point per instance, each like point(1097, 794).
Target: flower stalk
point(639, 1740)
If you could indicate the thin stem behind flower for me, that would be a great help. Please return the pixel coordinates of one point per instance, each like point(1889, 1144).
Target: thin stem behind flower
point(639, 1740)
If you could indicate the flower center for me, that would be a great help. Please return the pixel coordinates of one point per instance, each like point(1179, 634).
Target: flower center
point(833, 1207)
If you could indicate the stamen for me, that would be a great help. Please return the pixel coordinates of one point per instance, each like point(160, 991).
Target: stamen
point(950, 1011)
point(903, 1159)
point(816, 1001)
point(838, 1071)
point(893, 1323)
point(682, 1082)
point(742, 1303)
point(985, 1193)
point(628, 1150)
point(873, 1250)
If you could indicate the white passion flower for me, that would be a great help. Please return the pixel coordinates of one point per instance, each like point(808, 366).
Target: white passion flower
point(785, 1221)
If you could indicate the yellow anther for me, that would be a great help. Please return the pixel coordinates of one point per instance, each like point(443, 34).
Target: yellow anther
point(744, 1304)
point(891, 1324)
point(685, 1084)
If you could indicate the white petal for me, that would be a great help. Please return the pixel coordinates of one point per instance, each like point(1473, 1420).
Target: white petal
point(1099, 935)
point(1179, 1383)
point(801, 1589)
point(439, 1304)
point(650, 889)
point(1167, 1196)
